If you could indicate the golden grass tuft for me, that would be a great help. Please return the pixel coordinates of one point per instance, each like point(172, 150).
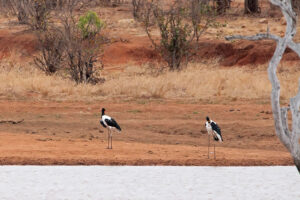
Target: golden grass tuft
point(197, 81)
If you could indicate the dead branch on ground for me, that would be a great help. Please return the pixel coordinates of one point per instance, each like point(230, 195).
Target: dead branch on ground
point(11, 122)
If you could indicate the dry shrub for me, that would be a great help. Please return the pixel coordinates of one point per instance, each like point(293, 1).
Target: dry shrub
point(38, 14)
point(73, 47)
point(51, 46)
point(34, 13)
point(137, 8)
point(179, 25)
point(82, 46)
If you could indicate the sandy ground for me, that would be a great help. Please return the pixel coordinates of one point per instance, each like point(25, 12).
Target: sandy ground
point(154, 133)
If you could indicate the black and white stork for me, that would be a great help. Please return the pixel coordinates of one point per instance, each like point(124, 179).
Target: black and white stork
point(214, 130)
point(111, 124)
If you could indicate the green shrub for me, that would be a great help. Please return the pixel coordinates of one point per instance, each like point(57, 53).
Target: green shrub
point(90, 24)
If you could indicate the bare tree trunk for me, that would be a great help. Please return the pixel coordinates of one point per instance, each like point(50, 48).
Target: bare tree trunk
point(221, 6)
point(251, 6)
point(290, 139)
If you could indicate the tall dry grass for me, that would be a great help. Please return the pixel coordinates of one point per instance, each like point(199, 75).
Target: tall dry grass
point(22, 82)
point(202, 81)
point(198, 81)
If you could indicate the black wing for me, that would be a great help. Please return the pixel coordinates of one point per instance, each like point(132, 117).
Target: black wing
point(217, 129)
point(113, 123)
point(101, 122)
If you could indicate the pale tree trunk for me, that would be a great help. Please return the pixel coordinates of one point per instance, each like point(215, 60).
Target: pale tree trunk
point(290, 138)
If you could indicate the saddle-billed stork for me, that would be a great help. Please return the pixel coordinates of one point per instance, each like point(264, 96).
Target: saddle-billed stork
point(214, 130)
point(111, 124)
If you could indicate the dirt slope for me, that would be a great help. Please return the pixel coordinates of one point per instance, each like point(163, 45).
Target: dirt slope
point(138, 50)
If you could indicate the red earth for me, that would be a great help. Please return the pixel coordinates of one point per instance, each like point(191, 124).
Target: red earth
point(138, 50)
point(154, 133)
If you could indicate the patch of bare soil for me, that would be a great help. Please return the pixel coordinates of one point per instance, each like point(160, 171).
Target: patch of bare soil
point(139, 51)
point(243, 52)
point(154, 133)
point(20, 43)
point(132, 50)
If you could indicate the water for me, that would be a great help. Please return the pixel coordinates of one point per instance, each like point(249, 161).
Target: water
point(139, 183)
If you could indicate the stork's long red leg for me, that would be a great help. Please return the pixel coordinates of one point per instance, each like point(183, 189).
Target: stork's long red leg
point(208, 144)
point(215, 151)
point(108, 138)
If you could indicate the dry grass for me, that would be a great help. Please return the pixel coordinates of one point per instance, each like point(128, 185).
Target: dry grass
point(202, 81)
point(197, 81)
point(21, 82)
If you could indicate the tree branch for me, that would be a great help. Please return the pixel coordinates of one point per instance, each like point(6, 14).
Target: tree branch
point(259, 36)
point(285, 121)
point(288, 138)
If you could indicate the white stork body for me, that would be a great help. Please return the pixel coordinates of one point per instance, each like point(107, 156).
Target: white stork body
point(215, 133)
point(213, 130)
point(109, 123)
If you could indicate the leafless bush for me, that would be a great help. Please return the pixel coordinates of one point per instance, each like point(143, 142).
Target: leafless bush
point(201, 15)
point(51, 45)
point(221, 6)
point(72, 45)
point(70, 5)
point(111, 3)
point(138, 8)
point(34, 13)
point(38, 12)
point(179, 24)
point(4, 7)
point(18, 8)
point(81, 51)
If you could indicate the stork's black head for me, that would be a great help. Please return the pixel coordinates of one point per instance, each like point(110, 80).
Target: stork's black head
point(207, 119)
point(103, 110)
